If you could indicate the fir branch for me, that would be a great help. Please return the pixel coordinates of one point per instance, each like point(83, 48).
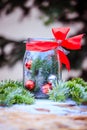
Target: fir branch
point(13, 92)
point(76, 89)
point(59, 92)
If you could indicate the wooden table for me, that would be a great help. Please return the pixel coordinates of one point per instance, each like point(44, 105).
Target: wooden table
point(44, 115)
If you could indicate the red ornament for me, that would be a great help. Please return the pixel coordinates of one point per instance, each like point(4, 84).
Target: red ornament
point(30, 84)
point(50, 84)
point(46, 88)
point(28, 64)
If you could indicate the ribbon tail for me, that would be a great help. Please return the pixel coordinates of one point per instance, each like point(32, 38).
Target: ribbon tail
point(63, 59)
point(73, 43)
point(60, 33)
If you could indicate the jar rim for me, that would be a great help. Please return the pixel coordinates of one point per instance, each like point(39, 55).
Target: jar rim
point(38, 39)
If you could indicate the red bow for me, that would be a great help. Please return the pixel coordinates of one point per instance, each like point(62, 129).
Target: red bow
point(73, 43)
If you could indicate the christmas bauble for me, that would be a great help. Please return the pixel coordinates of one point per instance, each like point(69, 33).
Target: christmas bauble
point(46, 88)
point(28, 64)
point(52, 79)
point(30, 84)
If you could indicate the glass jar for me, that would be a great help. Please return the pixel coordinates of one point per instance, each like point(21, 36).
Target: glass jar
point(40, 69)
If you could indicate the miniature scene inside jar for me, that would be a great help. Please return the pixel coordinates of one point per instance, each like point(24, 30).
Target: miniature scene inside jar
point(40, 71)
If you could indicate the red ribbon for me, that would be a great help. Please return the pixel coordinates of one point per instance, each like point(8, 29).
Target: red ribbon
point(73, 43)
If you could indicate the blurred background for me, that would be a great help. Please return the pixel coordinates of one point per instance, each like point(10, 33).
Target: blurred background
point(21, 19)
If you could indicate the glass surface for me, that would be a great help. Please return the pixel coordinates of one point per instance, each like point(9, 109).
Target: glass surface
point(40, 68)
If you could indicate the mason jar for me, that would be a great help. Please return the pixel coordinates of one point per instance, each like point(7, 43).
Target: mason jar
point(40, 68)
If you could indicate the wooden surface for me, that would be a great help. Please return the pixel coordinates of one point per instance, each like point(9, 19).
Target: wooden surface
point(44, 115)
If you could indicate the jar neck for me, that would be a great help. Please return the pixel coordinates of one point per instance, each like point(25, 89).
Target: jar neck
point(38, 39)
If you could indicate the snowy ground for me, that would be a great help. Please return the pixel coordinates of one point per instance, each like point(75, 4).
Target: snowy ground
point(49, 107)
